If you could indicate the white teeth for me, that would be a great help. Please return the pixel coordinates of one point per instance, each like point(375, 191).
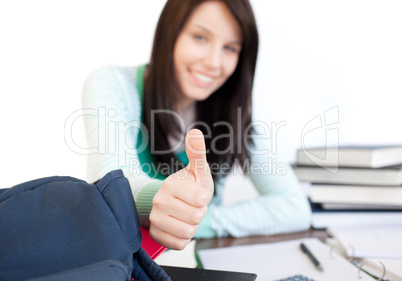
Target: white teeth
point(202, 78)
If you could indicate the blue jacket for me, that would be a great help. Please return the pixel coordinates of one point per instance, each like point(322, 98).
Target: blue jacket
point(62, 228)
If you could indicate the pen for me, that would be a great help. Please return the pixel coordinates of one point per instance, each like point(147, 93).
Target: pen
point(311, 257)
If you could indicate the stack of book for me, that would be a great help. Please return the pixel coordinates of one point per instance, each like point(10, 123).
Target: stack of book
point(352, 177)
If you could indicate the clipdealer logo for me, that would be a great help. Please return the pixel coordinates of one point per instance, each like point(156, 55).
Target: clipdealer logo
point(325, 124)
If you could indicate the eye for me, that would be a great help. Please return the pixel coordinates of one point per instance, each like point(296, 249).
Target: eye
point(200, 38)
point(230, 49)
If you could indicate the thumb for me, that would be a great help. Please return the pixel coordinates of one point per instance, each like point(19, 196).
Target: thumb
point(196, 153)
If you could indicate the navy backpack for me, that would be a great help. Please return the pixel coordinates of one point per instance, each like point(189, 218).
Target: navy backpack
point(62, 228)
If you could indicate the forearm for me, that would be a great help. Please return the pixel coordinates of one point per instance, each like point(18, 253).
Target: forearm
point(281, 207)
point(265, 215)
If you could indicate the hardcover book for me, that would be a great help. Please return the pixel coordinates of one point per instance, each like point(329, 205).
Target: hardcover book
point(351, 156)
point(389, 176)
point(374, 196)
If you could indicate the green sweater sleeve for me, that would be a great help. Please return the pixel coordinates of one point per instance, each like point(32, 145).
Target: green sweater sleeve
point(281, 206)
point(112, 119)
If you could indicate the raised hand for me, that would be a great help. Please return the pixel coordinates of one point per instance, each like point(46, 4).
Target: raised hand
point(182, 202)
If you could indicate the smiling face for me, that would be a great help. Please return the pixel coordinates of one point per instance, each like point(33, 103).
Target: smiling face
point(206, 51)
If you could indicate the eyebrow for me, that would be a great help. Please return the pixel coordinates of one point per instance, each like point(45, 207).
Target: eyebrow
point(208, 31)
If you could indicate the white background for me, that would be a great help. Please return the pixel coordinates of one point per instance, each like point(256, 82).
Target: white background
point(341, 57)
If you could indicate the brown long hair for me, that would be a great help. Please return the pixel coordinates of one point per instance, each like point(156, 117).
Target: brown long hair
point(161, 88)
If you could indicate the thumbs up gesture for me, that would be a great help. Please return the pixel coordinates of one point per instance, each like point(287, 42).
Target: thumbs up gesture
point(182, 202)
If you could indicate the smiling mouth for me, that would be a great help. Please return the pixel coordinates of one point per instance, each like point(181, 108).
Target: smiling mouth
point(202, 78)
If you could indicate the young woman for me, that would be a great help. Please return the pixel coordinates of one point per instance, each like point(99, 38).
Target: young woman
point(200, 76)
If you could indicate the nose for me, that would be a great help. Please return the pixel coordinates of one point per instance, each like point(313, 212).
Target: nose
point(213, 57)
